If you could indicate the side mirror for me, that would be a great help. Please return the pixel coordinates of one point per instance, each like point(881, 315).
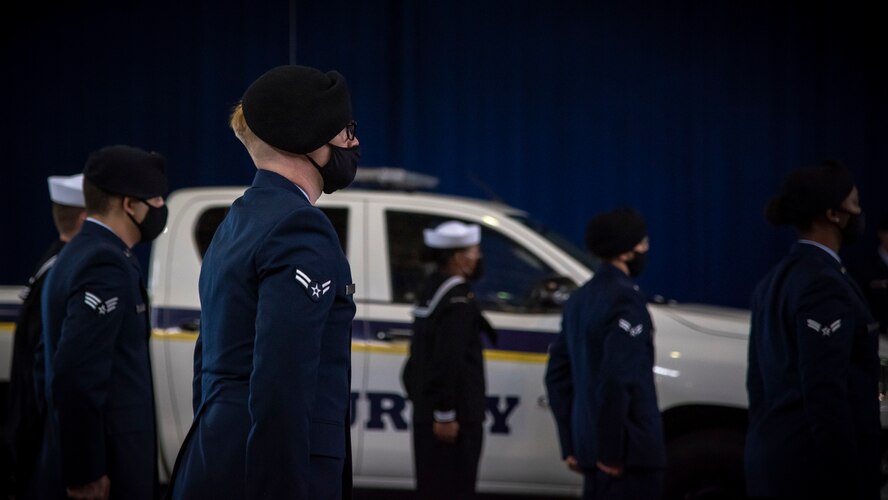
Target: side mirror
point(550, 294)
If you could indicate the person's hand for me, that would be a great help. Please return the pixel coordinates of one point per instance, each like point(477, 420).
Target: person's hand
point(100, 489)
point(446, 431)
point(615, 471)
point(572, 464)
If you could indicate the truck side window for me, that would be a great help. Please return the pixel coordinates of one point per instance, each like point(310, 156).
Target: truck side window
point(339, 218)
point(206, 226)
point(511, 272)
point(209, 221)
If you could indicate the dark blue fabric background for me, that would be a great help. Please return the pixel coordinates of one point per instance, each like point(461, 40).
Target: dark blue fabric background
point(690, 111)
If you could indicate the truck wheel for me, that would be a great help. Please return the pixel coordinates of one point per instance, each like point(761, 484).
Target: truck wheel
point(707, 465)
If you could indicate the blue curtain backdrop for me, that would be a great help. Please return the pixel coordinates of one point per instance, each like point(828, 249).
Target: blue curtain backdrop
point(690, 111)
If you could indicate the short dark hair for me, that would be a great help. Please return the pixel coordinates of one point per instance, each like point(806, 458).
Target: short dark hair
point(442, 256)
point(808, 192)
point(66, 218)
point(97, 200)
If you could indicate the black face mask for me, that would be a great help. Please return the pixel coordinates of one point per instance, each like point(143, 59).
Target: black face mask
point(853, 230)
point(340, 171)
point(153, 223)
point(636, 266)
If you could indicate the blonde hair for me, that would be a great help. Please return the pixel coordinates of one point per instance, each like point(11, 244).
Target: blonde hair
point(258, 149)
point(238, 124)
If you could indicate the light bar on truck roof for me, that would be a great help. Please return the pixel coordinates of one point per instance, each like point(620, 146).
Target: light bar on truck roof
point(394, 178)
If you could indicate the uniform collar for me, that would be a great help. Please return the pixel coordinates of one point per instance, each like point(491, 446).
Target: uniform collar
point(823, 247)
point(267, 178)
point(608, 269)
point(803, 247)
point(94, 227)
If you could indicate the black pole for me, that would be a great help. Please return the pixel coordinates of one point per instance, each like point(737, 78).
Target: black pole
point(292, 30)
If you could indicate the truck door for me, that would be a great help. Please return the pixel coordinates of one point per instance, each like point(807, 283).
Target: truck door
point(349, 220)
point(520, 451)
point(176, 260)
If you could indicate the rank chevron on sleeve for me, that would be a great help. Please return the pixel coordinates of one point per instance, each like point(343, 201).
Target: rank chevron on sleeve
point(823, 329)
point(98, 305)
point(313, 288)
point(633, 331)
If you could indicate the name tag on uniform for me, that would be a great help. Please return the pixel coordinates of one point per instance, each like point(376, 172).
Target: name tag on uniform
point(140, 308)
point(350, 289)
point(879, 284)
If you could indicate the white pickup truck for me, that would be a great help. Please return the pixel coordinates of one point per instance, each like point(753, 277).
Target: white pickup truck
point(701, 350)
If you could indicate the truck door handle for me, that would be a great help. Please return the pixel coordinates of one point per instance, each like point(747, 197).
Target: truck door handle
point(192, 325)
point(391, 334)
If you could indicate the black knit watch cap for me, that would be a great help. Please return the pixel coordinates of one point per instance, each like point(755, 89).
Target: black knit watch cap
point(610, 234)
point(808, 192)
point(296, 108)
point(127, 171)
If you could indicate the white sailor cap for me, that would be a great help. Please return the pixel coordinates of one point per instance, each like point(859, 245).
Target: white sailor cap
point(452, 234)
point(66, 190)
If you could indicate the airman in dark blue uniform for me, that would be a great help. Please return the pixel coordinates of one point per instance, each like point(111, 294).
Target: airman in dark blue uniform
point(444, 374)
point(271, 368)
point(871, 272)
point(95, 369)
point(25, 417)
point(599, 377)
point(813, 365)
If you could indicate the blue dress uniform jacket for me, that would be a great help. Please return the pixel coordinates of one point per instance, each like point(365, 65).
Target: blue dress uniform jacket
point(96, 371)
point(272, 365)
point(25, 417)
point(872, 276)
point(599, 377)
point(813, 383)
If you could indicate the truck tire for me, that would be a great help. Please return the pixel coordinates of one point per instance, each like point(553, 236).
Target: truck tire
point(705, 464)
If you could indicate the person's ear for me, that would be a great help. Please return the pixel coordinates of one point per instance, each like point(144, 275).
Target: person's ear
point(626, 256)
point(129, 205)
point(832, 215)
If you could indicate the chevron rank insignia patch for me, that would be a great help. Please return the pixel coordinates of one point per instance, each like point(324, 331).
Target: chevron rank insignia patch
point(314, 289)
point(825, 330)
point(633, 331)
point(98, 305)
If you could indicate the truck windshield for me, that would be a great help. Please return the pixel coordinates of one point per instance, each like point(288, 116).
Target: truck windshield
point(558, 240)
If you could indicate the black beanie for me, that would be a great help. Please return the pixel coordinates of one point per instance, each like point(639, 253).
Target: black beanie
point(611, 233)
point(296, 108)
point(127, 171)
point(808, 192)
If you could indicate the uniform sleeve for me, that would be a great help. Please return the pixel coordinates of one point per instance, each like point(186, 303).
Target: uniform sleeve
point(455, 324)
point(197, 376)
point(560, 390)
point(625, 342)
point(408, 374)
point(754, 384)
point(824, 324)
point(39, 366)
point(40, 376)
point(295, 263)
point(82, 366)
